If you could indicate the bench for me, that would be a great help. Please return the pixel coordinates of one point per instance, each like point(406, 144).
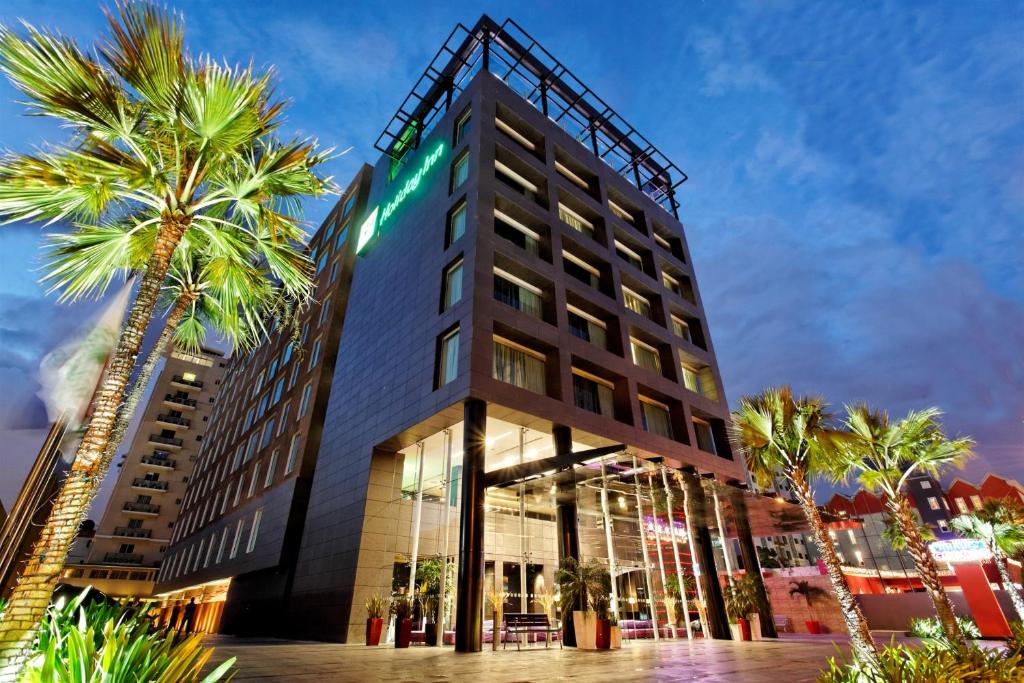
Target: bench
point(783, 624)
point(518, 623)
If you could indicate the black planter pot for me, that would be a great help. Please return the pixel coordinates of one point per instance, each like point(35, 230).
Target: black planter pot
point(568, 631)
point(430, 633)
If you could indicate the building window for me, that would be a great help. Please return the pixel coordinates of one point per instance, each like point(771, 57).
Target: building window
point(448, 358)
point(590, 393)
point(705, 438)
point(976, 502)
point(462, 125)
point(220, 548)
point(630, 256)
point(699, 380)
point(284, 417)
point(253, 481)
point(515, 232)
point(322, 262)
point(334, 273)
point(251, 545)
point(926, 484)
point(452, 285)
point(278, 390)
point(325, 309)
point(314, 357)
point(961, 504)
point(295, 374)
point(655, 418)
point(933, 503)
point(271, 466)
point(268, 433)
point(251, 449)
point(238, 490)
point(261, 410)
point(681, 329)
point(587, 327)
point(575, 221)
point(645, 355)
point(519, 366)
point(456, 224)
point(286, 355)
point(293, 454)
point(460, 171)
point(238, 538)
point(637, 303)
point(581, 270)
point(304, 404)
point(518, 294)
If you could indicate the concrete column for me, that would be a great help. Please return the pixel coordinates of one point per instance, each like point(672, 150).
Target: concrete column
point(606, 512)
point(523, 603)
point(750, 562)
point(566, 523)
point(696, 516)
point(470, 590)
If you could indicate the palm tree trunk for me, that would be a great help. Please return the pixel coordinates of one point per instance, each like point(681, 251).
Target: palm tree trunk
point(926, 567)
point(864, 649)
point(1004, 575)
point(138, 390)
point(30, 597)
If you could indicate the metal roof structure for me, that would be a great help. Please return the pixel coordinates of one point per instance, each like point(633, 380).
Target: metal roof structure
point(511, 54)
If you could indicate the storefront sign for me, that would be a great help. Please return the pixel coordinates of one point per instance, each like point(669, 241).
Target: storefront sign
point(376, 219)
point(959, 550)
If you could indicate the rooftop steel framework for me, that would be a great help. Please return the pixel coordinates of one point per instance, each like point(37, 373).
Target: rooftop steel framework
point(511, 54)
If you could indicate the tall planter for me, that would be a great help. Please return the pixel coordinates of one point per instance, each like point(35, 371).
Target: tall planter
point(585, 624)
point(374, 627)
point(603, 634)
point(403, 632)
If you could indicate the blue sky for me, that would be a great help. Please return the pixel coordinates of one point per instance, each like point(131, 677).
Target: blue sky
point(856, 174)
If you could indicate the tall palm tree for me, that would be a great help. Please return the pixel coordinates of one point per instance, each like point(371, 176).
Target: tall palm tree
point(1000, 525)
point(883, 455)
point(175, 146)
point(787, 436)
point(222, 286)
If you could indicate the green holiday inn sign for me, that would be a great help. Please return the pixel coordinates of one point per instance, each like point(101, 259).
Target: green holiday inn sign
point(377, 218)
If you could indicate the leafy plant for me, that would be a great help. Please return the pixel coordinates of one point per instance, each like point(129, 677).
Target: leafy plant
point(377, 606)
point(91, 641)
point(930, 664)
point(496, 599)
point(931, 628)
point(401, 607)
point(741, 598)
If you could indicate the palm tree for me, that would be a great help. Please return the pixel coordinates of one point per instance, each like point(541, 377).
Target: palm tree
point(783, 435)
point(1000, 525)
point(176, 147)
point(222, 286)
point(810, 593)
point(883, 455)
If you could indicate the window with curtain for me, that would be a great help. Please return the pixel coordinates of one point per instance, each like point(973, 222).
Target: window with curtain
point(453, 284)
point(456, 223)
point(575, 221)
point(681, 328)
point(705, 439)
point(591, 395)
point(448, 358)
point(656, 419)
point(462, 125)
point(587, 330)
point(519, 368)
point(644, 356)
point(518, 297)
point(637, 303)
point(460, 171)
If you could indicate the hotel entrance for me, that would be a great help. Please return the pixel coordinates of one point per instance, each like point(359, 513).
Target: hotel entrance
point(606, 506)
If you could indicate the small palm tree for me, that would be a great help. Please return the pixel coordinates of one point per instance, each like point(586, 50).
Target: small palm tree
point(893, 532)
point(177, 148)
point(883, 455)
point(1000, 525)
point(781, 435)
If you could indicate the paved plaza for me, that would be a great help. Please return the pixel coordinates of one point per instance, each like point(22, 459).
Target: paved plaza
point(792, 659)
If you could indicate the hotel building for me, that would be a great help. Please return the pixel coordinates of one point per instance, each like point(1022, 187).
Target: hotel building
point(509, 364)
point(129, 542)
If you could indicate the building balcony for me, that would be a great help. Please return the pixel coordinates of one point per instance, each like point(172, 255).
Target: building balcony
point(149, 485)
point(141, 508)
point(123, 558)
point(174, 421)
point(159, 462)
point(132, 532)
point(166, 441)
point(182, 382)
point(179, 402)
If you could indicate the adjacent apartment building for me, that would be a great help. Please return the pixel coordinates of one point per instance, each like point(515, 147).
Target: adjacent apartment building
point(128, 545)
point(508, 364)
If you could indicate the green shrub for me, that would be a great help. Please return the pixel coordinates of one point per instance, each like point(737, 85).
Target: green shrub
point(931, 628)
point(90, 641)
point(931, 664)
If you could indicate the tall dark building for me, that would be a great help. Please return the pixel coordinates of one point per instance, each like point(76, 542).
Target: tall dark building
point(511, 366)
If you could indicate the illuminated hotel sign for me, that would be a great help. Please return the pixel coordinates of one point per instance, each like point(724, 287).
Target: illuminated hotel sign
point(376, 219)
point(959, 550)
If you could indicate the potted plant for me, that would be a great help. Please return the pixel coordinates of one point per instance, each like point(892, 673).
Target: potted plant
point(496, 599)
point(616, 632)
point(429, 579)
point(811, 594)
point(739, 603)
point(670, 601)
point(573, 579)
point(603, 627)
point(376, 608)
point(401, 607)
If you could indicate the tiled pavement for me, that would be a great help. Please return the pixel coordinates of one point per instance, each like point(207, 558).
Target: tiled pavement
point(790, 660)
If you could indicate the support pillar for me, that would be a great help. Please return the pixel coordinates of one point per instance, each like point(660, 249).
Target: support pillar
point(696, 519)
point(750, 562)
point(442, 599)
point(523, 602)
point(661, 556)
point(566, 522)
point(680, 575)
point(470, 589)
point(417, 516)
point(606, 513)
point(643, 544)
